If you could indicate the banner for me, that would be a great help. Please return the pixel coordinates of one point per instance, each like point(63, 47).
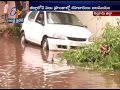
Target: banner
point(73, 5)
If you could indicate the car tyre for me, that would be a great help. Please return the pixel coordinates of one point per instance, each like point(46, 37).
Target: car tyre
point(44, 44)
point(23, 40)
point(44, 54)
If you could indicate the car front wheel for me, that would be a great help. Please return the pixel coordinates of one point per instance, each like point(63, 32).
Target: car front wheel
point(23, 40)
point(44, 44)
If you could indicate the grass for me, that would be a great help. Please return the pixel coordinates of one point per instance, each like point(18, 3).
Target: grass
point(91, 57)
point(14, 31)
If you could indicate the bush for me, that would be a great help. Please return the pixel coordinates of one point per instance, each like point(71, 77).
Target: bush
point(91, 57)
point(14, 31)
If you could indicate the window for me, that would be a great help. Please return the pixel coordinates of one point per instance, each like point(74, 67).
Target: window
point(63, 18)
point(32, 15)
point(40, 18)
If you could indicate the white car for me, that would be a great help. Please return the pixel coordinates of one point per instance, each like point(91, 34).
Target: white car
point(54, 30)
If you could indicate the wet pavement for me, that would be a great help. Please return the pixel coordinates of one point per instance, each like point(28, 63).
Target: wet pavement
point(28, 67)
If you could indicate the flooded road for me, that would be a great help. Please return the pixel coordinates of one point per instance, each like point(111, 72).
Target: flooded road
point(30, 68)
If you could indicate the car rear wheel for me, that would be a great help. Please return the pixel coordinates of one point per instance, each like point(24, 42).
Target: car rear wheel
point(44, 44)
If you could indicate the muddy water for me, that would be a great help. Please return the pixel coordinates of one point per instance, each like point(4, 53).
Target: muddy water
point(29, 67)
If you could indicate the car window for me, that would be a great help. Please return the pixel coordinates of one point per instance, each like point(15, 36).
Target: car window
point(63, 18)
point(32, 15)
point(40, 18)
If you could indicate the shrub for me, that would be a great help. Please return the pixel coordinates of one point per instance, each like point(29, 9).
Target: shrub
point(91, 57)
point(14, 31)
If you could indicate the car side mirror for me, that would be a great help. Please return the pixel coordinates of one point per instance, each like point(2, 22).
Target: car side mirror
point(85, 26)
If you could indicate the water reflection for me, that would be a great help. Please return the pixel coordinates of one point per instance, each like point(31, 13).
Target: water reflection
point(43, 68)
point(112, 79)
point(35, 58)
point(8, 63)
point(30, 67)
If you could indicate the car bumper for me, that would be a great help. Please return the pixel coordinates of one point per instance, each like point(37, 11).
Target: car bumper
point(59, 44)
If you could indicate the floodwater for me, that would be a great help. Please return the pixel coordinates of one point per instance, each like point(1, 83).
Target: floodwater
point(28, 67)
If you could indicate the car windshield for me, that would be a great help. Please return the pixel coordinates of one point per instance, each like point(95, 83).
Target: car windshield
point(63, 18)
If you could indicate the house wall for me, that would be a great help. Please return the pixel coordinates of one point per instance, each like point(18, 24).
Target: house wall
point(11, 5)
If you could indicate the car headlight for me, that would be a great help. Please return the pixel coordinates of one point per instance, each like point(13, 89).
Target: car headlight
point(91, 39)
point(58, 36)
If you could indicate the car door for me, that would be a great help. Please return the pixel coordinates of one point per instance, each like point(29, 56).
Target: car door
point(29, 23)
point(38, 28)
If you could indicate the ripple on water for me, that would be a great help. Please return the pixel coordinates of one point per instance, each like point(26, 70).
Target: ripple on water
point(32, 68)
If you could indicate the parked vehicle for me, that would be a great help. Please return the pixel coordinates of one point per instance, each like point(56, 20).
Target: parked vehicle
point(54, 30)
